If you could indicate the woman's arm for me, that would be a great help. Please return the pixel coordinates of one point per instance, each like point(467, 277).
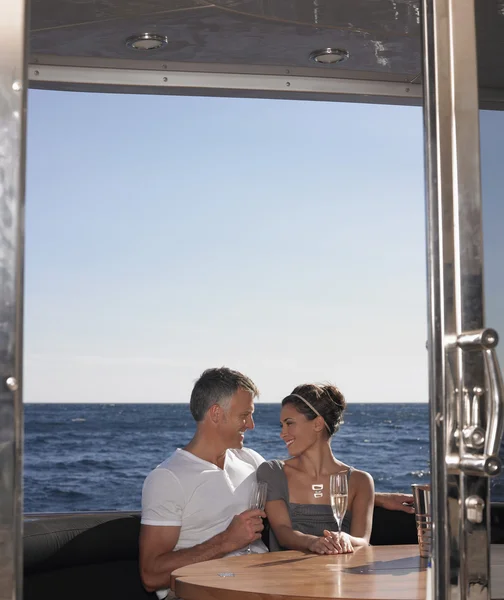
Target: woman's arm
point(280, 522)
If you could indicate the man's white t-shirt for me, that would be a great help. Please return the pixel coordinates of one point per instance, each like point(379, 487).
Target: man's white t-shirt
point(188, 492)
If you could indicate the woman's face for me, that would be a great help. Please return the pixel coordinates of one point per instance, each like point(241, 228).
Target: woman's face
point(298, 432)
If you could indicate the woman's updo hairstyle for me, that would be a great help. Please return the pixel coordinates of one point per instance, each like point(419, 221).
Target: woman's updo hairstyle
point(326, 399)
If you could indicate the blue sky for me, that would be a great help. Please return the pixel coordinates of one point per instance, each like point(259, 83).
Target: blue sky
point(284, 239)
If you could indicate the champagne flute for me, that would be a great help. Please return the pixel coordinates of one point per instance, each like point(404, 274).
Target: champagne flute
point(339, 496)
point(257, 499)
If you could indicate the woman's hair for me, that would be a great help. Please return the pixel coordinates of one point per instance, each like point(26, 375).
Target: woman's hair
point(326, 400)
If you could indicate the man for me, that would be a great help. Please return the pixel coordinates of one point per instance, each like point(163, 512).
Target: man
point(195, 505)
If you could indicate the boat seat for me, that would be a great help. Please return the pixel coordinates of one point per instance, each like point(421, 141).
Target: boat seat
point(395, 528)
point(95, 556)
point(392, 527)
point(82, 557)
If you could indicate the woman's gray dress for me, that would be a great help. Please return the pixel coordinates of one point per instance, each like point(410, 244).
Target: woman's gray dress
point(311, 519)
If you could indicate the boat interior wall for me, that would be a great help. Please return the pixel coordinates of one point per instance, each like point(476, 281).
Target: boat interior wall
point(266, 38)
point(95, 555)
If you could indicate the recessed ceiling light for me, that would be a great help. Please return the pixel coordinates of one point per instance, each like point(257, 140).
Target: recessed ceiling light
point(329, 56)
point(146, 41)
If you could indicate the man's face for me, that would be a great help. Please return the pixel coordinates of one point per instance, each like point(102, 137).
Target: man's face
point(237, 418)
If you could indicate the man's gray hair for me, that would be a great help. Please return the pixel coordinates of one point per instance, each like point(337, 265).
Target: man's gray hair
point(217, 386)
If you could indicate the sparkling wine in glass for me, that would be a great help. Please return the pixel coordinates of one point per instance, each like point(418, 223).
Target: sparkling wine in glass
point(258, 499)
point(339, 496)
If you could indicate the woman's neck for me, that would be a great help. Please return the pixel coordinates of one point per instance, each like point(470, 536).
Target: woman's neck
point(318, 461)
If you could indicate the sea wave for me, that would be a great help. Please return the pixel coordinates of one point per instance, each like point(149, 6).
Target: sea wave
point(420, 474)
point(100, 463)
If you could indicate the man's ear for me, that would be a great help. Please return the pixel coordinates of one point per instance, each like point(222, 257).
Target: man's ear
point(214, 413)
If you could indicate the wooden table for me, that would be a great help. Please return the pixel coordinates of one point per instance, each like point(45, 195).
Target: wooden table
point(372, 573)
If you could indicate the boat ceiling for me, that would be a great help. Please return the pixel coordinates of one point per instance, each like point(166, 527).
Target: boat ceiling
point(382, 37)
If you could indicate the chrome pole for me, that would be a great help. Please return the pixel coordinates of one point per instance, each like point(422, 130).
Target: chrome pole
point(13, 83)
point(465, 386)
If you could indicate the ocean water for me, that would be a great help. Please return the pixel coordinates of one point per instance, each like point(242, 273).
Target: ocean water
point(82, 457)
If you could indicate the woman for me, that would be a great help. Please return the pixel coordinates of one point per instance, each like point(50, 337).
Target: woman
point(298, 504)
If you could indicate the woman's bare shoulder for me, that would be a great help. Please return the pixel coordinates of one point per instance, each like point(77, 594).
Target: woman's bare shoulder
point(361, 478)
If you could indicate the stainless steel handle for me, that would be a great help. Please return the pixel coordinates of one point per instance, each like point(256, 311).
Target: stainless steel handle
point(478, 340)
point(487, 463)
point(495, 404)
point(472, 433)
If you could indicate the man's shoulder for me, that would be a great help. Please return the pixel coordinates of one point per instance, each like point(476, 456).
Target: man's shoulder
point(249, 456)
point(176, 458)
point(176, 474)
point(173, 466)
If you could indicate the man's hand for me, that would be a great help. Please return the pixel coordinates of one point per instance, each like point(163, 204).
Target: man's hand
point(245, 528)
point(323, 545)
point(395, 501)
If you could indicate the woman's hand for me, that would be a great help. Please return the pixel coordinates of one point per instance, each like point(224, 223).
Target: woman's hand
point(341, 541)
point(332, 542)
point(323, 545)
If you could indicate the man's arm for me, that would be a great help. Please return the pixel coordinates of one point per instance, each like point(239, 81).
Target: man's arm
point(395, 501)
point(158, 559)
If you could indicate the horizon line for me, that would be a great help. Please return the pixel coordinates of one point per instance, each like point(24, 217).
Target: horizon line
point(187, 402)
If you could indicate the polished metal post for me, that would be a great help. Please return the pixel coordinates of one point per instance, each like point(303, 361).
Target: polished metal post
point(465, 386)
point(13, 84)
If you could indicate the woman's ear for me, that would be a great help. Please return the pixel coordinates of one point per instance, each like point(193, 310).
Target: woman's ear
point(319, 424)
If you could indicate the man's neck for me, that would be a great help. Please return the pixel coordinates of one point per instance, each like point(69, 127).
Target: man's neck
point(206, 448)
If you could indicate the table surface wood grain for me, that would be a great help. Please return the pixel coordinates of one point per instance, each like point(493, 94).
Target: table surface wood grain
point(372, 573)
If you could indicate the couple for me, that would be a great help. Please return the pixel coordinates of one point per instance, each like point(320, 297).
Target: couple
point(195, 505)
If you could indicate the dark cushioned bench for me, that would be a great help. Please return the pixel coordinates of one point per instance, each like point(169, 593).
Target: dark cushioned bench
point(82, 557)
point(95, 556)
